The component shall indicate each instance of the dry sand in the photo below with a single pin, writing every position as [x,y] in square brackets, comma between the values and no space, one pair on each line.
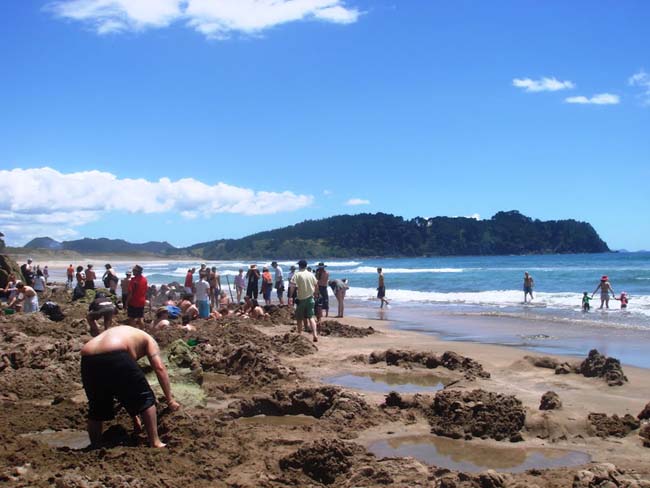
[246,369]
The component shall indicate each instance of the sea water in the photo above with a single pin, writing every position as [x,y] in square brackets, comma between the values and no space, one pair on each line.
[480,298]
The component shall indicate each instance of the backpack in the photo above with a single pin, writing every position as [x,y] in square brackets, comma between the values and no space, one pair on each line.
[53,311]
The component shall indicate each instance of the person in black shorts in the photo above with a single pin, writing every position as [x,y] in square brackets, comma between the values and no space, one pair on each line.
[101,307]
[109,370]
[381,288]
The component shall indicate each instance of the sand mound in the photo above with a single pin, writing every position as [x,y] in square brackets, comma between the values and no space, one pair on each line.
[37,367]
[550,401]
[476,413]
[595,365]
[327,402]
[602,425]
[449,360]
[600,366]
[322,460]
[338,329]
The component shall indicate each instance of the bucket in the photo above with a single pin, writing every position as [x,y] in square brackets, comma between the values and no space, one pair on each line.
[9,311]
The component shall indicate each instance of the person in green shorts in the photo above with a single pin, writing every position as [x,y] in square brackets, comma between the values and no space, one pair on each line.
[306,284]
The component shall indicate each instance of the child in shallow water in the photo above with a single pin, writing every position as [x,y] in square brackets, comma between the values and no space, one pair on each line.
[623,299]
[585,302]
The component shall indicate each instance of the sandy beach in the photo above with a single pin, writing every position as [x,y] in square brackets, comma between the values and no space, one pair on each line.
[259,409]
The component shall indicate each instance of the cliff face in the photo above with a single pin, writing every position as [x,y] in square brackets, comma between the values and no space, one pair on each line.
[8,266]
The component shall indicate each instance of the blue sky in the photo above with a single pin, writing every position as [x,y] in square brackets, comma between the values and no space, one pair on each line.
[192,120]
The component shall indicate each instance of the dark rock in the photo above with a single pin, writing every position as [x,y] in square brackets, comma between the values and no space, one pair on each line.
[550,401]
[8,266]
[604,426]
[600,366]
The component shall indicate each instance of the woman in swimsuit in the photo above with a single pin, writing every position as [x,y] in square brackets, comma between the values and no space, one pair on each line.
[605,289]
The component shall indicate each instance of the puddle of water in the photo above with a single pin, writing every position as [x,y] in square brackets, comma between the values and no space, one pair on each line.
[279,420]
[74,439]
[387,382]
[470,457]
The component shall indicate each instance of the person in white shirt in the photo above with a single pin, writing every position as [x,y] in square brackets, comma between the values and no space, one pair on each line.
[202,289]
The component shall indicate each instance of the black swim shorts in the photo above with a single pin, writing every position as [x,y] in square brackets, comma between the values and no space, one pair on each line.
[114,375]
[381,292]
[135,312]
[101,313]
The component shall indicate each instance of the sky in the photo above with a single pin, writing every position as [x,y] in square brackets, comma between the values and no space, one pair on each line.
[194,120]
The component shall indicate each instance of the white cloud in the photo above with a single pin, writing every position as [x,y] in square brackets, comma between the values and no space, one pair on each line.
[213,18]
[43,201]
[600,99]
[642,80]
[544,84]
[357,201]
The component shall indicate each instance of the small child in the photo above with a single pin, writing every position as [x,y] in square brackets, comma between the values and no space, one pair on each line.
[623,299]
[585,301]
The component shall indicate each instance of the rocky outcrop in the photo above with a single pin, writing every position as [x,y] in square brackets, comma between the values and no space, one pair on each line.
[7,267]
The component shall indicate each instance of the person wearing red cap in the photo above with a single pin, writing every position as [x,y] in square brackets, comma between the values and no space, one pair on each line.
[605,289]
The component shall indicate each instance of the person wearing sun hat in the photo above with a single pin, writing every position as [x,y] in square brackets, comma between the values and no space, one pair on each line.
[605,290]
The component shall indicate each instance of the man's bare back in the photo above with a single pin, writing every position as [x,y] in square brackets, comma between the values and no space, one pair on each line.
[122,338]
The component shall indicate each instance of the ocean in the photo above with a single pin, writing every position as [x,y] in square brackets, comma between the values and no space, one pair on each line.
[480,298]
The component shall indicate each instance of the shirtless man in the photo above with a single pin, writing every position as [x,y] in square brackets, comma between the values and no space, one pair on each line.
[215,287]
[529,283]
[124,284]
[381,288]
[26,299]
[109,370]
[605,289]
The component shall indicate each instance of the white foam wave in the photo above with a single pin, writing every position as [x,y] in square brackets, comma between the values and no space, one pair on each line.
[500,299]
[369,269]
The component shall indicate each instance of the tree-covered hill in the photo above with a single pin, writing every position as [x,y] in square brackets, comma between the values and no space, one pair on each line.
[387,235]
[102,245]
